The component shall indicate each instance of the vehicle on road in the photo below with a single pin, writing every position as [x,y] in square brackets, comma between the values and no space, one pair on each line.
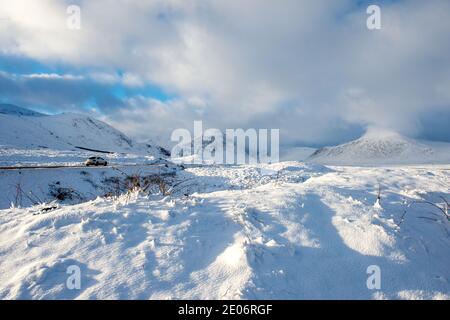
[95,161]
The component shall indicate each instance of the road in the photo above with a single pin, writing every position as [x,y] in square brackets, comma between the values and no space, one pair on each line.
[79,166]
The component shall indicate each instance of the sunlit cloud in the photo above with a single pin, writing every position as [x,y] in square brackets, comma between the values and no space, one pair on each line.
[310,68]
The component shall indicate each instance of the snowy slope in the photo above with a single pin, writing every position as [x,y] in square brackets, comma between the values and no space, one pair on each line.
[63,132]
[380,148]
[280,231]
[22,132]
[40,185]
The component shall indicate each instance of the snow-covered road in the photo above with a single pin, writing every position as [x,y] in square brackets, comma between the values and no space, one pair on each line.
[74,166]
[280,231]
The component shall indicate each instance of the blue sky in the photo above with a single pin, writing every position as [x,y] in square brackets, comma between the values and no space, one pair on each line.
[310,68]
[81,92]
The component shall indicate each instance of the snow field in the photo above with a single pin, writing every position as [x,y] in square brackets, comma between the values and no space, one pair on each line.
[280,231]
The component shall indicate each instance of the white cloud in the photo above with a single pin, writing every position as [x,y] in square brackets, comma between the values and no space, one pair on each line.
[105,77]
[132,80]
[52,76]
[309,67]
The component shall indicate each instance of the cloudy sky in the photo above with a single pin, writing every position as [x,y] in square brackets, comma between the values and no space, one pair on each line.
[310,68]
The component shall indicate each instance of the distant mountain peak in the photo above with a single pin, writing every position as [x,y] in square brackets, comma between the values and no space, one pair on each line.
[377,146]
[381,133]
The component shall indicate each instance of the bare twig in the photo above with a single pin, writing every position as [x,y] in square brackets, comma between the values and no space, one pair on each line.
[379,193]
[444,209]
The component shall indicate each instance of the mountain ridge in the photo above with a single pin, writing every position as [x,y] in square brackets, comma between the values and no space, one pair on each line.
[11,109]
[382,147]
[26,129]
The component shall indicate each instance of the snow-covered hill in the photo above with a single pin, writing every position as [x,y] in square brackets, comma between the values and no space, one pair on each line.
[381,147]
[282,231]
[26,130]
[206,146]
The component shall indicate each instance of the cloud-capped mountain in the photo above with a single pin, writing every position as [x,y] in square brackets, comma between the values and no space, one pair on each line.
[383,147]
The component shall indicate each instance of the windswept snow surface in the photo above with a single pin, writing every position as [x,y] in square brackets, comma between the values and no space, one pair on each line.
[280,231]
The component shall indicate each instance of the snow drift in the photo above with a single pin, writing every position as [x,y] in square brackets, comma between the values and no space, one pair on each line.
[280,231]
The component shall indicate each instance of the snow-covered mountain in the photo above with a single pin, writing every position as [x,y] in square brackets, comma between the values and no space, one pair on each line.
[383,147]
[26,129]
[206,146]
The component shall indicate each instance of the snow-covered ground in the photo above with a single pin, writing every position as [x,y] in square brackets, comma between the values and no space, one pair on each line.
[281,231]
[25,187]
[13,157]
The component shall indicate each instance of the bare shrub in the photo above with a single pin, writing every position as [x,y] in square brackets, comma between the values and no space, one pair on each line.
[20,194]
[64,193]
[157,181]
[132,182]
[137,183]
[112,186]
